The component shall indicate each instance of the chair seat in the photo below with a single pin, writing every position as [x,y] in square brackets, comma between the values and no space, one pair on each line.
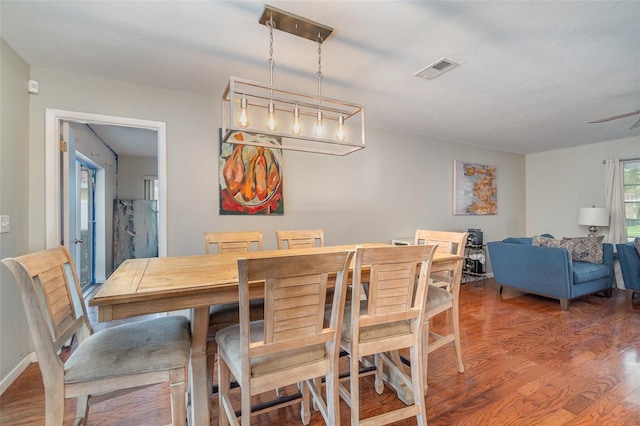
[374,332]
[437,296]
[229,339]
[145,346]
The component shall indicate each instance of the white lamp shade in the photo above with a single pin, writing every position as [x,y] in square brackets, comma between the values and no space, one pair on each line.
[593,216]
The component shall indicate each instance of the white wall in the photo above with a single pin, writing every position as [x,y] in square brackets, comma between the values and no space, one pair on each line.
[15,342]
[131,174]
[188,118]
[397,184]
[559,182]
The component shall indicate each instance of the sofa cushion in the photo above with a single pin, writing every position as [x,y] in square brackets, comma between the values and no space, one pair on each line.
[518,240]
[523,240]
[539,240]
[584,272]
[636,243]
[586,249]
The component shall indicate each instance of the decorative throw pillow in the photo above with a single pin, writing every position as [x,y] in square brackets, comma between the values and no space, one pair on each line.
[586,249]
[636,242]
[539,240]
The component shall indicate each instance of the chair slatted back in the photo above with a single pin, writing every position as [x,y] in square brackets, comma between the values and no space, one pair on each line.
[52,298]
[295,288]
[392,283]
[300,239]
[293,308]
[448,242]
[388,289]
[232,242]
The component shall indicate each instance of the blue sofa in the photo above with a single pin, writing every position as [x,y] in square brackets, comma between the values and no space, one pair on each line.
[630,266]
[548,271]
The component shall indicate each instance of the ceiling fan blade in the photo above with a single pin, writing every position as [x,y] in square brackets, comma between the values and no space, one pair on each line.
[615,117]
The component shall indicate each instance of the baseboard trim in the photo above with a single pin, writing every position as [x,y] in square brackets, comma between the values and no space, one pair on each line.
[17,370]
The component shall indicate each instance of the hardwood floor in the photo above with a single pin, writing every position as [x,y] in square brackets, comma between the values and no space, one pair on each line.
[526,363]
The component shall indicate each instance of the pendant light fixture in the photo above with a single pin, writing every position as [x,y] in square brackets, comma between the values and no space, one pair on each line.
[293,120]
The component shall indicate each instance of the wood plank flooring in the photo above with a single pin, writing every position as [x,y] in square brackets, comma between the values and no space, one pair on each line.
[526,363]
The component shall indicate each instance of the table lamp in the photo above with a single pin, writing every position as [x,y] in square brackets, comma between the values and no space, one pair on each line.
[593,217]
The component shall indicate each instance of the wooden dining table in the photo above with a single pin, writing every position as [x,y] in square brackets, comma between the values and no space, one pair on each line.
[164,284]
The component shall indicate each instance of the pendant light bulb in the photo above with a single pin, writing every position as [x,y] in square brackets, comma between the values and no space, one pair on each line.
[295,129]
[271,120]
[243,121]
[340,134]
[319,125]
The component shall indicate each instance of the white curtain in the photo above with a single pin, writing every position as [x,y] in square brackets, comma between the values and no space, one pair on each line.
[614,201]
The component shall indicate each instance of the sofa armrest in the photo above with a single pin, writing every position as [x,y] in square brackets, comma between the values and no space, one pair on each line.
[607,258]
[541,270]
[629,265]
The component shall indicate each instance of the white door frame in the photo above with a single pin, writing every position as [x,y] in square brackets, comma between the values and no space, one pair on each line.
[53,117]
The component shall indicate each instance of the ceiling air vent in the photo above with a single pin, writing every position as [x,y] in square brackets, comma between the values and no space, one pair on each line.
[436,69]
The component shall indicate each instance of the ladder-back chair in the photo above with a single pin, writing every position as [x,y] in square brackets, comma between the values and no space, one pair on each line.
[232,242]
[103,365]
[391,318]
[292,344]
[300,238]
[224,315]
[444,294]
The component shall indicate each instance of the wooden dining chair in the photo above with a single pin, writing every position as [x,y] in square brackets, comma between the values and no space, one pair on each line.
[232,242]
[448,243]
[444,294]
[291,345]
[300,238]
[105,364]
[391,318]
[224,315]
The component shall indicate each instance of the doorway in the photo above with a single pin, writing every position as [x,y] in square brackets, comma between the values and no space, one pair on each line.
[57,189]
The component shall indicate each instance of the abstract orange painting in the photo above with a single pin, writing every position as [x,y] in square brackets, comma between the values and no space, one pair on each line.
[250,177]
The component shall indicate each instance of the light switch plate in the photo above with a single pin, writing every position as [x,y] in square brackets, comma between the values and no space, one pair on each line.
[5,224]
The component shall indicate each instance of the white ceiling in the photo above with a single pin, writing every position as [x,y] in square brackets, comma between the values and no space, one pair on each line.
[128,141]
[532,73]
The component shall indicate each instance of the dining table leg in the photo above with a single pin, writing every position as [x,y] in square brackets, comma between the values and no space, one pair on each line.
[390,377]
[199,393]
[405,392]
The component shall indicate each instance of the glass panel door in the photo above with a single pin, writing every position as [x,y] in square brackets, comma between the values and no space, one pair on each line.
[86,224]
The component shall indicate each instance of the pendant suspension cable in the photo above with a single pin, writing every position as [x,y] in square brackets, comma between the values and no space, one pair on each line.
[319,39]
[271,109]
[271,24]
[319,119]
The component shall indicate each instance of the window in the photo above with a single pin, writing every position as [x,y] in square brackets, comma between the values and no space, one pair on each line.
[631,189]
[150,187]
